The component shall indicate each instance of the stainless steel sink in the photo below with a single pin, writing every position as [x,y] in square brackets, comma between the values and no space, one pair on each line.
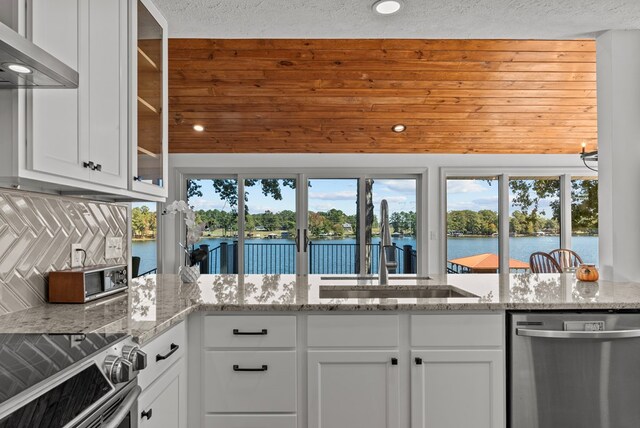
[391,292]
[373,278]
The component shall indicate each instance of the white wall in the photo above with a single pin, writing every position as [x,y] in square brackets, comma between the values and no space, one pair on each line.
[618,61]
[431,225]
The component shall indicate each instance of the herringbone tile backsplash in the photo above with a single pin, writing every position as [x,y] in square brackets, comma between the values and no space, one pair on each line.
[36,233]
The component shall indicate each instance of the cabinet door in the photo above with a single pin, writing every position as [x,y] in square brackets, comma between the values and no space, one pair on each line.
[353,389]
[163,404]
[107,102]
[149,99]
[457,388]
[53,130]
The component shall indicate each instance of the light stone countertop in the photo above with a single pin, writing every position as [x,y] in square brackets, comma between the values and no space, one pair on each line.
[155,303]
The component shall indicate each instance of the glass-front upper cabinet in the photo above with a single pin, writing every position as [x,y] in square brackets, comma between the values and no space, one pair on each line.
[149,105]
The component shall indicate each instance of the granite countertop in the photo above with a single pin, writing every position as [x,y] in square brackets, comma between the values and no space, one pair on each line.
[156,302]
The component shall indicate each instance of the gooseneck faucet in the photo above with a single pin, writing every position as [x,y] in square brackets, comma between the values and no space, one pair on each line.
[387,251]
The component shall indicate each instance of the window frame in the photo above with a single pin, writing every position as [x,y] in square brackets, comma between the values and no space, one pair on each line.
[504,175]
[303,175]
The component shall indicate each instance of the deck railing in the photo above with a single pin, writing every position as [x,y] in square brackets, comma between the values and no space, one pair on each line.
[324,258]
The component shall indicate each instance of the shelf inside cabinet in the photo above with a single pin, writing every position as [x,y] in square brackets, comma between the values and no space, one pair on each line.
[148,106]
[145,62]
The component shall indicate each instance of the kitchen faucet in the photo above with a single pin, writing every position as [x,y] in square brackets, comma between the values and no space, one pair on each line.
[387,251]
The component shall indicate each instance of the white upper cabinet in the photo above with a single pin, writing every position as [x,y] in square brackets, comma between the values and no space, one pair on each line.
[82,133]
[86,139]
[53,131]
[149,100]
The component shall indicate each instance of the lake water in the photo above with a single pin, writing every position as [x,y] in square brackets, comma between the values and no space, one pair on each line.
[341,260]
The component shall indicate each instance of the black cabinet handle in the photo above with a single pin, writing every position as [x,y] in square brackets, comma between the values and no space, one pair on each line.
[418,360]
[174,348]
[237,368]
[394,361]
[237,332]
[89,165]
[137,178]
[98,167]
[146,414]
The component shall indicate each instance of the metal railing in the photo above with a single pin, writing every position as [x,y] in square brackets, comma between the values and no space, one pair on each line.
[324,258]
[149,272]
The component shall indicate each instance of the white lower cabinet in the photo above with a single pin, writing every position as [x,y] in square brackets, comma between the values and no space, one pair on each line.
[457,388]
[163,404]
[381,370]
[353,389]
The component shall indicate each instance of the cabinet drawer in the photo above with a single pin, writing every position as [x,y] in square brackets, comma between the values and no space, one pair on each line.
[353,330]
[457,330]
[249,331]
[250,421]
[249,381]
[171,344]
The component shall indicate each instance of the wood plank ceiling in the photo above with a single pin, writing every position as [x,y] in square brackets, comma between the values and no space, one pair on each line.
[344,96]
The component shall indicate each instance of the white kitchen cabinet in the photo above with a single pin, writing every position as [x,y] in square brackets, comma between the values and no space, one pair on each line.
[353,389]
[81,133]
[164,403]
[457,388]
[148,99]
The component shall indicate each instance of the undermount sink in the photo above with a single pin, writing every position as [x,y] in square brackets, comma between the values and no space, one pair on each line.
[373,278]
[391,292]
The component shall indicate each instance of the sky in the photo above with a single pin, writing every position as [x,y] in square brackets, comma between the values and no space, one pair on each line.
[324,194]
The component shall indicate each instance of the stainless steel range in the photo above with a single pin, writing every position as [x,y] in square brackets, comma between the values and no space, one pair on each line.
[70,381]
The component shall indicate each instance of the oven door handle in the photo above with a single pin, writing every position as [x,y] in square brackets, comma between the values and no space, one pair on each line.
[124,408]
[561,334]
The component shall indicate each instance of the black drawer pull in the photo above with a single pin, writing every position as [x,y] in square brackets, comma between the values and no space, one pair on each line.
[394,361]
[146,414]
[237,332]
[237,368]
[174,348]
[418,360]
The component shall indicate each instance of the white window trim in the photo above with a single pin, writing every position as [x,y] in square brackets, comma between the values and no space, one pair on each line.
[504,174]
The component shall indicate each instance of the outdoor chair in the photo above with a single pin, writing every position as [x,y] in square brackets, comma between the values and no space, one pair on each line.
[543,263]
[566,258]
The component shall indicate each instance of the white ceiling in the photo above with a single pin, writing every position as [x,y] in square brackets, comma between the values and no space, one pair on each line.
[519,19]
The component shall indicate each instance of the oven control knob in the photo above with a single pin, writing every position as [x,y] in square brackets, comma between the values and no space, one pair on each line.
[135,356]
[119,369]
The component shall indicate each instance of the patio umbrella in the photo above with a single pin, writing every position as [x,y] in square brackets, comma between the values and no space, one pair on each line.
[486,263]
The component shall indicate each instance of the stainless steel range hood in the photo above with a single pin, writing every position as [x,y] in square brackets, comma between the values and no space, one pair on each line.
[43,70]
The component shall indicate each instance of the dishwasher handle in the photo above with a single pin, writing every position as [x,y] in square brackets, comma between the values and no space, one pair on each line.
[561,334]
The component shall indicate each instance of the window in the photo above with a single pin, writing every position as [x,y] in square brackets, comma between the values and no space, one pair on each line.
[472,225]
[584,218]
[144,247]
[537,222]
[534,216]
[400,195]
[215,202]
[333,223]
[295,224]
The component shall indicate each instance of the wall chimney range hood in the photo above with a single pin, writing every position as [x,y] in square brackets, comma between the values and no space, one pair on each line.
[25,65]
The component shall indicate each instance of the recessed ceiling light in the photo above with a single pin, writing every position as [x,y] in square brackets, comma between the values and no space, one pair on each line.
[198,128]
[387,7]
[18,68]
[398,128]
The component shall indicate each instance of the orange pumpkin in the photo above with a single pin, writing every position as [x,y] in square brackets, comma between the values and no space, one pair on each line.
[588,273]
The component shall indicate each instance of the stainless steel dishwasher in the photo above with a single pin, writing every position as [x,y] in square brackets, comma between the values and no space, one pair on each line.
[577,370]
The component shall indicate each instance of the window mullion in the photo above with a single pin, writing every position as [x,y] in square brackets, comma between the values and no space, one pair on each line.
[503,223]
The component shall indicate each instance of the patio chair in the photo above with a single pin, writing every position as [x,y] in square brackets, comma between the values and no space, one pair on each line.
[543,263]
[566,258]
